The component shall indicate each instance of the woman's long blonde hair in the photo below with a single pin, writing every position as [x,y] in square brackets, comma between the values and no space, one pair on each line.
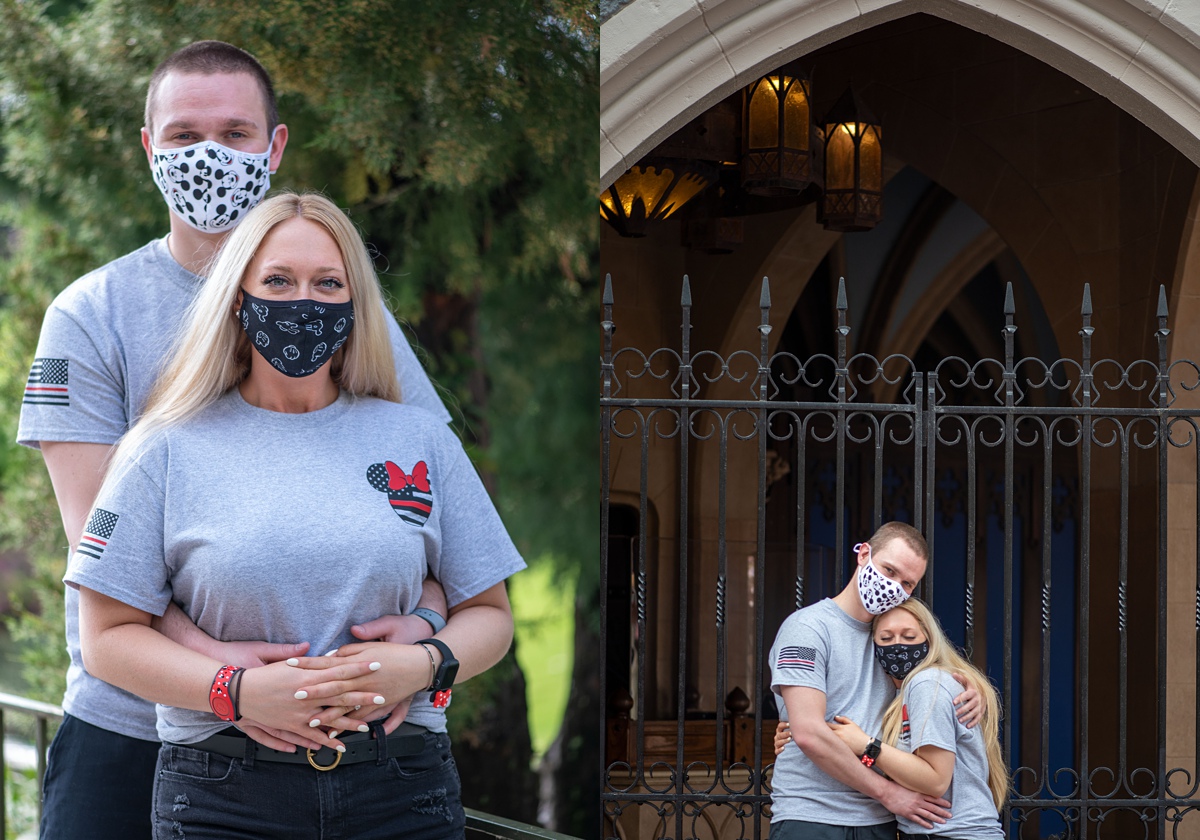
[944,655]
[212,353]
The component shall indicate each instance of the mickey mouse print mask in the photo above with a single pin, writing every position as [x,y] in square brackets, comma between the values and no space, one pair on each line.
[295,336]
[210,186]
[877,592]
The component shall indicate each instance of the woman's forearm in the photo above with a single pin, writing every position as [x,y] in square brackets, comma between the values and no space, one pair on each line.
[927,771]
[479,634]
[120,647]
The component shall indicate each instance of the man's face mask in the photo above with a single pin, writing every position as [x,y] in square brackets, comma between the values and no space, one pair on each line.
[210,186]
[877,592]
[296,336]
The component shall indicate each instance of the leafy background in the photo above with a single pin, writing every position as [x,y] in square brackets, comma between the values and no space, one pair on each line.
[461,138]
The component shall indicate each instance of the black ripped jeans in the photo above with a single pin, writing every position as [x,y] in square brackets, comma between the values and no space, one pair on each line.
[201,795]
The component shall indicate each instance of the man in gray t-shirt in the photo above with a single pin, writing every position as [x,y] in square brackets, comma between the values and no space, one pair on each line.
[823,664]
[102,343]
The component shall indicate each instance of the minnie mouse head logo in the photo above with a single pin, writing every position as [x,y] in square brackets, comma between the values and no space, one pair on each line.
[409,494]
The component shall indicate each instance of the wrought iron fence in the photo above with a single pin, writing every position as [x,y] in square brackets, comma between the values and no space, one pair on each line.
[1062,565]
[479,823]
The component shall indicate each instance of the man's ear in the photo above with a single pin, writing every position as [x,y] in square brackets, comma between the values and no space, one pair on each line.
[147,142]
[864,553]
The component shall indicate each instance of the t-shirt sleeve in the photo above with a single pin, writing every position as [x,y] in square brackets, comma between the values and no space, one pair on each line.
[121,551]
[416,388]
[475,551]
[930,706]
[73,393]
[800,655]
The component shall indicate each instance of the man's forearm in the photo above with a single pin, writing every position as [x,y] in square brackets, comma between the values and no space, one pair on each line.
[179,628]
[827,751]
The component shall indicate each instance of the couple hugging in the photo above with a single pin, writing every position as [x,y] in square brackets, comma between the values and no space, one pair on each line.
[858,759]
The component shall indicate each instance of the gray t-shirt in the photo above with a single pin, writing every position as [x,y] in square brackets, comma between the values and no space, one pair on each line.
[823,648]
[293,527]
[929,720]
[102,343]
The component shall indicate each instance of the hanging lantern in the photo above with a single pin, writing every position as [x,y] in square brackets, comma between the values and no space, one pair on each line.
[651,191]
[776,153]
[853,196]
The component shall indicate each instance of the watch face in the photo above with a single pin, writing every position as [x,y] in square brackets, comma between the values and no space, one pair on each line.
[448,673]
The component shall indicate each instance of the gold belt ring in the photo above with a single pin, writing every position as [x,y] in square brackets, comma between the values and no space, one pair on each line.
[337,759]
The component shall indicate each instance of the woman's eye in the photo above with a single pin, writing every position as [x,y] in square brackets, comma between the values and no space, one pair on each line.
[275,280]
[331,283]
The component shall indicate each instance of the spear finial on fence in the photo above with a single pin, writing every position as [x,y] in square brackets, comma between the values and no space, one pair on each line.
[685,366]
[606,365]
[1010,328]
[1085,335]
[843,330]
[1161,335]
[764,330]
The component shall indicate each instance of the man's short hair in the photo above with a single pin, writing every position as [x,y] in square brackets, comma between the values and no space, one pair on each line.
[912,538]
[206,58]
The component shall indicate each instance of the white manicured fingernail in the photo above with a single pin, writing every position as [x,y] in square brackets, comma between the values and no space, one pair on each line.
[332,652]
[375,666]
[378,701]
[301,695]
[362,727]
[356,708]
[314,722]
[340,748]
[293,661]
[333,735]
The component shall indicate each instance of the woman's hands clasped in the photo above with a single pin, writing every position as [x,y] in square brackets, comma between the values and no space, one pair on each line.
[334,693]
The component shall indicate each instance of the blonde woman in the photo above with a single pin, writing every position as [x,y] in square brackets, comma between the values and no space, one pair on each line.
[275,488]
[922,745]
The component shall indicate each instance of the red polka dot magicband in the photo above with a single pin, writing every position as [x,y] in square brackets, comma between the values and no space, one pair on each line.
[221,698]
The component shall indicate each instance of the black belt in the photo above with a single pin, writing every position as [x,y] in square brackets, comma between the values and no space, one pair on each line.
[408,739]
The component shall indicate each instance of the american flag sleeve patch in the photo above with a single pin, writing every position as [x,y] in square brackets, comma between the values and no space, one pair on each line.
[47,383]
[97,533]
[797,658]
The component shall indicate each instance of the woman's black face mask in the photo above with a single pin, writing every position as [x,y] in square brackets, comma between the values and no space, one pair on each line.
[296,336]
[898,659]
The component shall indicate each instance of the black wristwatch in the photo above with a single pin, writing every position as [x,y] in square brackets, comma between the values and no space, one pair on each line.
[871,755]
[444,676]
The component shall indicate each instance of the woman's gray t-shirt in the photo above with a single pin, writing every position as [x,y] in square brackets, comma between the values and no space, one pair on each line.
[103,342]
[293,527]
[930,721]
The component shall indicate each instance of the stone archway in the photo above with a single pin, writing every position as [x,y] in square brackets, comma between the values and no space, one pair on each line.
[663,63]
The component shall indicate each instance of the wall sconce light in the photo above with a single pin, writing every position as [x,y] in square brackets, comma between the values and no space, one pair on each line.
[651,191]
[853,196]
[776,127]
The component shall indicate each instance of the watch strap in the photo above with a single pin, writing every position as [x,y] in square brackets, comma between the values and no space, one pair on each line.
[435,621]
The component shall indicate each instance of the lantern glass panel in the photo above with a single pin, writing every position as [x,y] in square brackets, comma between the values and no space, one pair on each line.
[870,159]
[763,115]
[795,120]
[839,158]
[644,182]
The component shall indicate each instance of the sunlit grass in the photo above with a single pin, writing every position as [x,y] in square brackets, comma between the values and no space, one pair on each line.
[544,614]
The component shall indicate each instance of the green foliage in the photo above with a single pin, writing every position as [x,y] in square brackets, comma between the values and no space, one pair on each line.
[459,135]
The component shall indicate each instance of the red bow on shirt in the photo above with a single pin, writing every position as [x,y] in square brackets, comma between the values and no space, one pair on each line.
[398,479]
